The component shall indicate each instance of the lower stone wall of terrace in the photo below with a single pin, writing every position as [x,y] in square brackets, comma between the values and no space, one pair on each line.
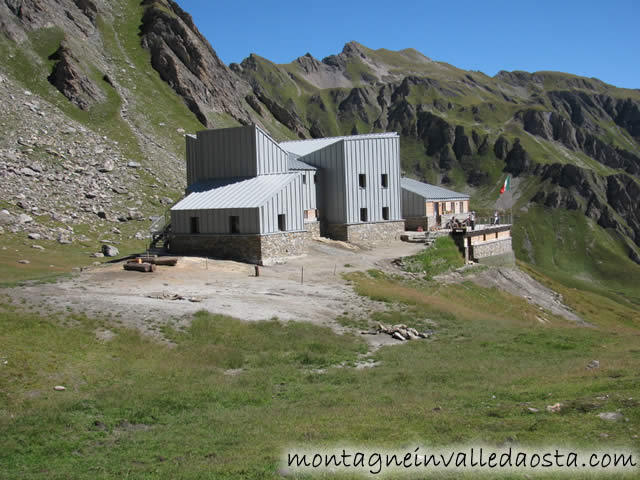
[490,248]
[367,234]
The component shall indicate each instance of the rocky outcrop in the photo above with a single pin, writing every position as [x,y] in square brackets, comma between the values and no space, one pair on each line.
[517,160]
[555,127]
[288,117]
[185,60]
[607,200]
[71,80]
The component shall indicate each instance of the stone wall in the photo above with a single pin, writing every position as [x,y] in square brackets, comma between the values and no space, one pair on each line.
[245,248]
[366,234]
[277,247]
[491,248]
[258,249]
[313,228]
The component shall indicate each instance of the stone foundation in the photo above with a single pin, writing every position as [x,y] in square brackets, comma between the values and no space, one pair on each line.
[313,228]
[277,247]
[366,234]
[253,248]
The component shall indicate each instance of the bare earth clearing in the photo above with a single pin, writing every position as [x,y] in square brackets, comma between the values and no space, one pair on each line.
[167,297]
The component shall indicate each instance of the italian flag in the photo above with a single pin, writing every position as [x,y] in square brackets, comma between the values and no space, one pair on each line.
[507,185]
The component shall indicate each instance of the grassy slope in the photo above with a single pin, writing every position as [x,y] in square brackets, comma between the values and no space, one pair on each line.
[135,407]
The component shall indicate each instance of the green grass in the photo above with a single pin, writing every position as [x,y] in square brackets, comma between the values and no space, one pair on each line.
[571,248]
[441,257]
[231,395]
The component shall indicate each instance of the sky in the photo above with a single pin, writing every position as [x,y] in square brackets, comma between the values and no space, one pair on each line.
[591,38]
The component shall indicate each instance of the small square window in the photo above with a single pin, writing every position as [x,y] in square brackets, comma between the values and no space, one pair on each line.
[282,222]
[304,178]
[234,224]
[363,215]
[384,180]
[385,213]
[362,180]
[195,225]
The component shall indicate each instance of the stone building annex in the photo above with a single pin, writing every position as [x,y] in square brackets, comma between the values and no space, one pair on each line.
[253,199]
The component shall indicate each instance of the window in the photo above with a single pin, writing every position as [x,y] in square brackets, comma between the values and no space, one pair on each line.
[234,224]
[282,222]
[195,225]
[384,180]
[363,214]
[315,177]
[362,180]
[385,213]
[304,178]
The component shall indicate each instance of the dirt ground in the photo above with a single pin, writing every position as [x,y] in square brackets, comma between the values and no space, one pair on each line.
[308,288]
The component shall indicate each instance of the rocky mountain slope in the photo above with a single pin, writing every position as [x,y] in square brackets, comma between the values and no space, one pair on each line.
[129,78]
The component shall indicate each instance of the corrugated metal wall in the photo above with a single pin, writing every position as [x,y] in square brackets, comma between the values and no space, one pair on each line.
[331,182]
[216,221]
[413,205]
[225,153]
[263,219]
[192,157]
[233,152]
[271,157]
[288,202]
[372,157]
[309,194]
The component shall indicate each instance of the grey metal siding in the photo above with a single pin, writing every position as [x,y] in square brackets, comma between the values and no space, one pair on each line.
[287,201]
[309,197]
[372,157]
[225,153]
[216,220]
[270,157]
[192,158]
[413,205]
[331,182]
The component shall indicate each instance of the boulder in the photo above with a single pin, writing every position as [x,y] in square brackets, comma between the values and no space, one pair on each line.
[610,416]
[23,218]
[109,251]
[107,166]
[6,218]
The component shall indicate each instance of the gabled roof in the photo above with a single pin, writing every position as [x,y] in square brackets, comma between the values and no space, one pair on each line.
[249,192]
[305,147]
[295,164]
[431,192]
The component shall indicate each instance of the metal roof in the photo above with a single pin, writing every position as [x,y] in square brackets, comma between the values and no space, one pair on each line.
[235,192]
[430,192]
[295,164]
[305,147]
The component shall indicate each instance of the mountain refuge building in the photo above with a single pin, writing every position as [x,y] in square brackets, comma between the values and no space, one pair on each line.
[252,199]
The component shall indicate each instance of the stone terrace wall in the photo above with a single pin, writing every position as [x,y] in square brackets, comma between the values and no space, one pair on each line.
[366,234]
[491,249]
